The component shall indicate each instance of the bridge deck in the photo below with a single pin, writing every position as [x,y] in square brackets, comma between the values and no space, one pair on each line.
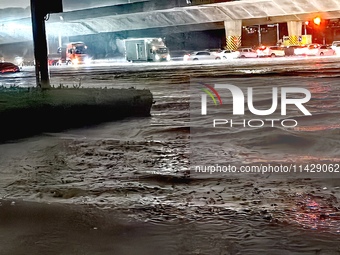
[138,15]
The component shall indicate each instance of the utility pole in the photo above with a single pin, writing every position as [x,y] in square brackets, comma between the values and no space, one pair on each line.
[39,10]
[260,36]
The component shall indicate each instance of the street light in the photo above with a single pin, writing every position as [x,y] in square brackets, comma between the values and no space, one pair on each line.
[306,24]
[317,20]
[59,32]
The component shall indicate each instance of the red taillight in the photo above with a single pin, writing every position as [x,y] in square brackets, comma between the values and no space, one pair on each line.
[186,57]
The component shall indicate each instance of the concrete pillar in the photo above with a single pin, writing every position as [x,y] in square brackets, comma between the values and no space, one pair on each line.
[294,33]
[294,28]
[233,32]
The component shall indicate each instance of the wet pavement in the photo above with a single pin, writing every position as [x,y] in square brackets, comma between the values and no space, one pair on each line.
[125,187]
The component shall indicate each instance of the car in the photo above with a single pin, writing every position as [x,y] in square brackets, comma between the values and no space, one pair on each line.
[228,54]
[7,67]
[201,55]
[296,50]
[335,44]
[214,50]
[319,50]
[246,53]
[270,51]
[300,50]
[336,47]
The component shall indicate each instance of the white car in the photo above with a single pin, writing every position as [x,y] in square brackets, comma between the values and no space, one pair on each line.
[300,50]
[228,54]
[246,53]
[336,47]
[201,55]
[270,51]
[213,50]
[319,50]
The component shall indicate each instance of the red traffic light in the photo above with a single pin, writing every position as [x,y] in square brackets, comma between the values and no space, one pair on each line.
[317,20]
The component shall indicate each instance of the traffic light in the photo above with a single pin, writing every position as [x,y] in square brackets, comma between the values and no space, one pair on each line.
[317,21]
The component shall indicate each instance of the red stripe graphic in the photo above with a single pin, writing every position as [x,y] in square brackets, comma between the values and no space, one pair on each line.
[215,92]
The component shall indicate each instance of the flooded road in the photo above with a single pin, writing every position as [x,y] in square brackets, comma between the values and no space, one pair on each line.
[125,187]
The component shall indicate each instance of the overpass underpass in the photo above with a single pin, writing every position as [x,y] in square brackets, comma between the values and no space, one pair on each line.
[175,15]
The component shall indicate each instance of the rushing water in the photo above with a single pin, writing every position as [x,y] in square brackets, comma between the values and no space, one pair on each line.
[125,187]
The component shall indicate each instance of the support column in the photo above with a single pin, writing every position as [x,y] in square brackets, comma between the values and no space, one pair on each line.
[40,45]
[39,10]
[233,32]
[294,32]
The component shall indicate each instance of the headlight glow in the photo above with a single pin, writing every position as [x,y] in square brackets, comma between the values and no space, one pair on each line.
[87,60]
[75,61]
[186,57]
[19,60]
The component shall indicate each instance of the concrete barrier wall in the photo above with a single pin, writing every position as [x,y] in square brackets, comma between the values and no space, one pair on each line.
[26,112]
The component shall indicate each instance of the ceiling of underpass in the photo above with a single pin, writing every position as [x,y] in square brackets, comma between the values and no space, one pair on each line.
[100,16]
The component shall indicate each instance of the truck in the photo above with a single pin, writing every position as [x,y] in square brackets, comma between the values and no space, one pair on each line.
[146,49]
[72,53]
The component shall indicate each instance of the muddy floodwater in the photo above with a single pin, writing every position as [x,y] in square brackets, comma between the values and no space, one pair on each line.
[126,187]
